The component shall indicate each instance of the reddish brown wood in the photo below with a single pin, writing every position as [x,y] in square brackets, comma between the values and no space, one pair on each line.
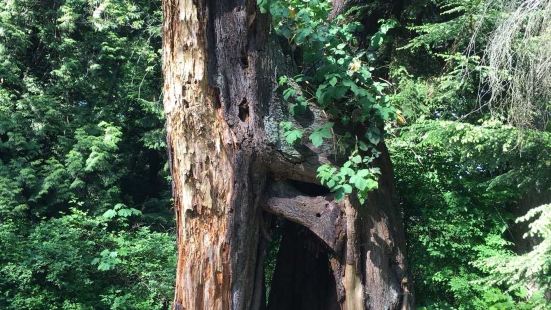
[226,154]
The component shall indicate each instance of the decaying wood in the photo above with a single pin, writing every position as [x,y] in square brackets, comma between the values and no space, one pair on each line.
[227,157]
[352,278]
[212,89]
[386,276]
[320,214]
[199,164]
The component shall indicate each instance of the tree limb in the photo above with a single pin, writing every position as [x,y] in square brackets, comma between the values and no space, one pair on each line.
[320,214]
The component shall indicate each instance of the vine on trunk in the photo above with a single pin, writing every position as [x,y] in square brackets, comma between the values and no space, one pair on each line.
[336,74]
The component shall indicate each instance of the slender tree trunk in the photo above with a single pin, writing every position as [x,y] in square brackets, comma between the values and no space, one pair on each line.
[231,172]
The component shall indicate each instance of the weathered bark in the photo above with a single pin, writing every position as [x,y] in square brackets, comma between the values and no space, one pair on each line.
[213,81]
[386,281]
[229,166]
[321,215]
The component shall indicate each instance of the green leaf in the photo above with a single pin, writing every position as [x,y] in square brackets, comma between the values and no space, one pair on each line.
[371,185]
[376,40]
[363,146]
[362,173]
[292,135]
[126,212]
[321,133]
[347,171]
[356,159]
[286,126]
[339,194]
[110,214]
[374,135]
[288,93]
[347,188]
[263,5]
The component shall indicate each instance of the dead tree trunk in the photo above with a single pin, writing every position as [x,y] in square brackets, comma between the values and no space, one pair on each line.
[231,171]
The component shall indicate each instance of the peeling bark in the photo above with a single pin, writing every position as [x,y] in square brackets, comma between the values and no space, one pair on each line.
[229,164]
[212,79]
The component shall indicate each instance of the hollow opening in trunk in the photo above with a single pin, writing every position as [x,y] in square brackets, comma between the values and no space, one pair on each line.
[309,189]
[298,272]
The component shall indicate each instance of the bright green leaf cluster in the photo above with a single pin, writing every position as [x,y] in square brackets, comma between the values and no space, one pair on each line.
[351,176]
[338,78]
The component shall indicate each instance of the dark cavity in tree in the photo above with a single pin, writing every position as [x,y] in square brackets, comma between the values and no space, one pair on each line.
[303,278]
[309,189]
[243,110]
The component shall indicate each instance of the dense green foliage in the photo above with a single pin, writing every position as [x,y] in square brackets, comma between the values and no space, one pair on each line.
[84,197]
[461,185]
[85,219]
[335,74]
[463,173]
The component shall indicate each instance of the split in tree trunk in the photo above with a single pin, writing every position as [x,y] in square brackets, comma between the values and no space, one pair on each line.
[230,167]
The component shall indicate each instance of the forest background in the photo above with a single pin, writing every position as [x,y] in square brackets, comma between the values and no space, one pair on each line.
[85,196]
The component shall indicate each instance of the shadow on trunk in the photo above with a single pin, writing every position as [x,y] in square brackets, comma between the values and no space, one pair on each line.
[303,278]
